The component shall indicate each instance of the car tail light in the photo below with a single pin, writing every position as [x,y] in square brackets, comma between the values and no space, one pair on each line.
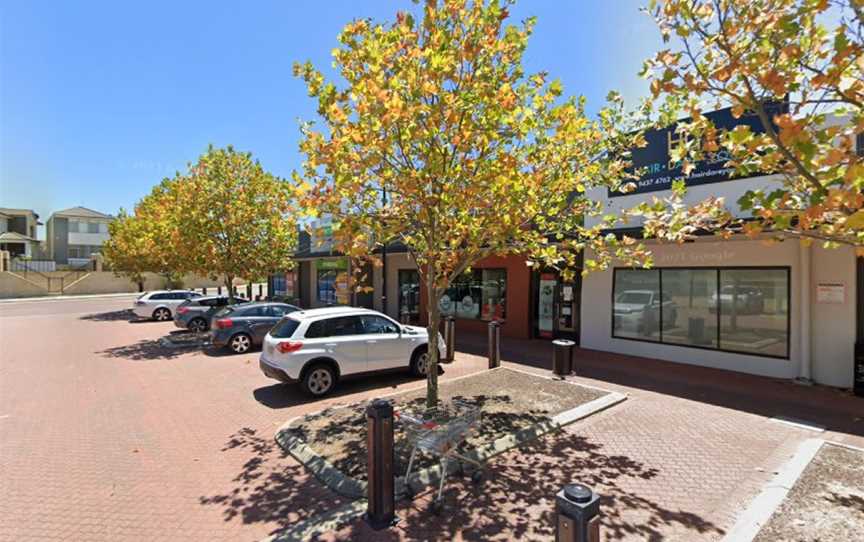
[224,323]
[286,347]
[182,310]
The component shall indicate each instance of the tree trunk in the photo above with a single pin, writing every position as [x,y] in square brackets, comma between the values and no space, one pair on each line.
[434,316]
[229,282]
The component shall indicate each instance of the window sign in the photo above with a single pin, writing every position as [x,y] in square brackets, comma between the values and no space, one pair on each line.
[659,170]
[479,294]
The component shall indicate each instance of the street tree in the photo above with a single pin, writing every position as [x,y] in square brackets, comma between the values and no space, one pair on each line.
[436,137]
[232,219]
[749,55]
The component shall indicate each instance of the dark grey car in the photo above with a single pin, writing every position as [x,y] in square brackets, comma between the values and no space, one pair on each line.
[240,327]
[195,314]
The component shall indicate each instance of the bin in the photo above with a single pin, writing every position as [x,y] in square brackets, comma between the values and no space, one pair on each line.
[562,357]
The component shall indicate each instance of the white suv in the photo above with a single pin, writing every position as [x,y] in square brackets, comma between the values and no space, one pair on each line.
[160,305]
[316,347]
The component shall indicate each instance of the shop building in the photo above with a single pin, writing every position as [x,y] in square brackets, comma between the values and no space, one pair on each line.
[779,309]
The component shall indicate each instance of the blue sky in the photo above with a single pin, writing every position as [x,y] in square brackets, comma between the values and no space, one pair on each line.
[101,100]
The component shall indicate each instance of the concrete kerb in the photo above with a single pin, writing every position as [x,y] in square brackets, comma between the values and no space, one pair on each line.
[773,493]
[352,488]
[47,298]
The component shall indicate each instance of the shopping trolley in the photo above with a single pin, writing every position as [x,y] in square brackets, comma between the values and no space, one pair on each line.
[439,432]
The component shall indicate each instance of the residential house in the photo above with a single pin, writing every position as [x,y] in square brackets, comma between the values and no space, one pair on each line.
[75,234]
[18,232]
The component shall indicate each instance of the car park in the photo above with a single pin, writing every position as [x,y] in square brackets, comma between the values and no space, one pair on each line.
[160,305]
[743,299]
[317,347]
[195,314]
[242,327]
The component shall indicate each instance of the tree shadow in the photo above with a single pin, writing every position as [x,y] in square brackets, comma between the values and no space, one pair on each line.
[266,490]
[280,395]
[111,316]
[339,433]
[146,350]
[516,500]
[855,502]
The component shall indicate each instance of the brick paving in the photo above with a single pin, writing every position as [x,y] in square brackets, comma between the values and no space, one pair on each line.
[106,436]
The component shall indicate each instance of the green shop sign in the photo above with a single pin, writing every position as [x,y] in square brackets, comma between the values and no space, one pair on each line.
[339,263]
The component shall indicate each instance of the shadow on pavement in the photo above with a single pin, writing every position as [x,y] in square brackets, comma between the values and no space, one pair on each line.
[267,489]
[146,350]
[111,316]
[278,396]
[516,500]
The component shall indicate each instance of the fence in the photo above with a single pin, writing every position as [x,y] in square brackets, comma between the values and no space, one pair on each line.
[33,266]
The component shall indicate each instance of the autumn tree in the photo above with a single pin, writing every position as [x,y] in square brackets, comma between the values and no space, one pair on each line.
[437,138]
[748,55]
[233,219]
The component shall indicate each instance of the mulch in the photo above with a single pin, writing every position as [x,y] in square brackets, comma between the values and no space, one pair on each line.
[509,401]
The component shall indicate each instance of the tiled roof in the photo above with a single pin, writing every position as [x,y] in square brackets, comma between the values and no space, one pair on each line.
[83,212]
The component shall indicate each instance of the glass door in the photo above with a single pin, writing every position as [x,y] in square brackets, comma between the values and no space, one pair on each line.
[409,296]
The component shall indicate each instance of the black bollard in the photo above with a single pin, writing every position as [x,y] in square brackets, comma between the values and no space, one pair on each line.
[577,517]
[218,290]
[248,291]
[379,445]
[562,357]
[494,344]
[204,290]
[260,291]
[450,338]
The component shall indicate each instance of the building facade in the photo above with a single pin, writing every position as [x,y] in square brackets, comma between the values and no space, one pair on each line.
[74,235]
[18,232]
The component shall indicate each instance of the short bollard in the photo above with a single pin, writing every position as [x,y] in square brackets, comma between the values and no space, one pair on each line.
[494,344]
[577,514]
[248,291]
[379,446]
[204,290]
[450,338]
[218,290]
[562,357]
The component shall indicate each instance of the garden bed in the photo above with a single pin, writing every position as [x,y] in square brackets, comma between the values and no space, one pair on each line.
[515,407]
[826,503]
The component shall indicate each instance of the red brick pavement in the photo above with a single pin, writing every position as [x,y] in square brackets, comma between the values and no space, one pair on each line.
[104,436]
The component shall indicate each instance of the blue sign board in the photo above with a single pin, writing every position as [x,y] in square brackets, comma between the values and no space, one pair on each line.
[658,170]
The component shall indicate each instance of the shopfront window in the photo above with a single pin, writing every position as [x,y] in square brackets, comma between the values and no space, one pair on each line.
[742,310]
[480,294]
[409,296]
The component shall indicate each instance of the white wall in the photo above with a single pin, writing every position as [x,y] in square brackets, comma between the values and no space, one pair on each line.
[832,326]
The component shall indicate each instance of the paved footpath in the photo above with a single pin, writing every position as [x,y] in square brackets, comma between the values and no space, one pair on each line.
[104,435]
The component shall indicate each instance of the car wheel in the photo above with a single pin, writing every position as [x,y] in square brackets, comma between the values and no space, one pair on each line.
[319,380]
[161,314]
[420,362]
[198,325]
[240,343]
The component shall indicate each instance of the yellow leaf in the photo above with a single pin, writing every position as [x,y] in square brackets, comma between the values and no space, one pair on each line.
[856,220]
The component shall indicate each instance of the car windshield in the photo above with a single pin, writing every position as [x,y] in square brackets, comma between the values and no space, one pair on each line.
[284,329]
[634,298]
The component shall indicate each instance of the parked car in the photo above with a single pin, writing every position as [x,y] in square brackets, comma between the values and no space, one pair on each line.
[318,347]
[240,327]
[195,314]
[161,304]
[745,299]
[639,310]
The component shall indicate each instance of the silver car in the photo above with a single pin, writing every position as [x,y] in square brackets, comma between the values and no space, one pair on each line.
[161,304]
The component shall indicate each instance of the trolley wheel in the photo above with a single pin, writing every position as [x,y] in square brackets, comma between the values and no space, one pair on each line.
[436,507]
[477,477]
